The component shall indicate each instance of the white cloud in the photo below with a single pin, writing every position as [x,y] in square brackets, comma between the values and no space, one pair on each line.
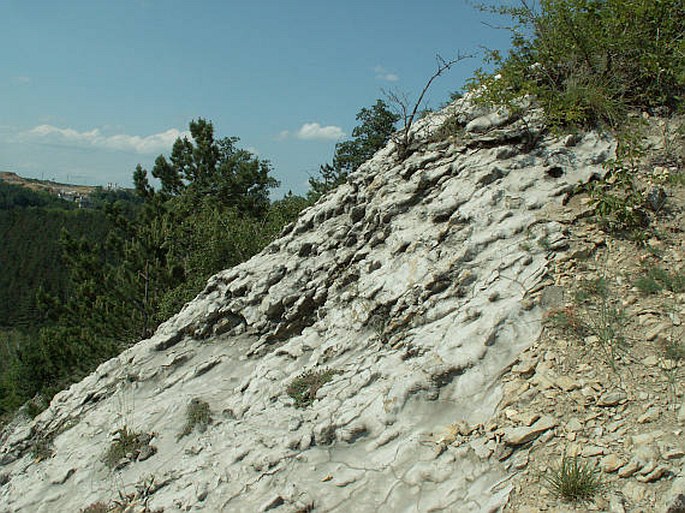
[21,80]
[150,144]
[314,131]
[384,74]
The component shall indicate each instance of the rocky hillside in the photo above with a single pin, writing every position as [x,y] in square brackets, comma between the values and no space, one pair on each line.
[358,362]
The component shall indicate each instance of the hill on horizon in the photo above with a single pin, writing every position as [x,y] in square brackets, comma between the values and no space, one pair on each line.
[49,186]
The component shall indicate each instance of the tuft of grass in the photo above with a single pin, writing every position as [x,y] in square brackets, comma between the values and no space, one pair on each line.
[677,178]
[198,415]
[303,389]
[573,480]
[127,502]
[42,447]
[675,350]
[451,127]
[567,319]
[594,313]
[655,279]
[127,445]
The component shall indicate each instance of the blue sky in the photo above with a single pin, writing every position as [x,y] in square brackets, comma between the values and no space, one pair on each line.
[90,88]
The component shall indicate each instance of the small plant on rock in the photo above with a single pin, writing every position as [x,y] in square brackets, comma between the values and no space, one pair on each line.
[127,446]
[573,480]
[303,389]
[96,507]
[607,322]
[595,317]
[655,279]
[198,415]
[128,502]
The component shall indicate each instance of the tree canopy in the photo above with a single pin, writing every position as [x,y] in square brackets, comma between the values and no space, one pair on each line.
[210,168]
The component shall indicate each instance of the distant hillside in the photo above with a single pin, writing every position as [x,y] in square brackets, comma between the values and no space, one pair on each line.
[45,185]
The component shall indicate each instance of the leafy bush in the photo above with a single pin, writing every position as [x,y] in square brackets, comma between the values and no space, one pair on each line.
[589,61]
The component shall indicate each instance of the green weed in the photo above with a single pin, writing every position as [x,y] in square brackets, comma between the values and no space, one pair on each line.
[303,389]
[127,446]
[655,279]
[573,480]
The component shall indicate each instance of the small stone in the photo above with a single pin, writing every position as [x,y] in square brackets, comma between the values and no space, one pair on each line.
[634,492]
[591,450]
[482,448]
[656,474]
[520,461]
[648,468]
[615,426]
[567,384]
[574,425]
[273,503]
[461,427]
[616,504]
[644,439]
[510,413]
[674,454]
[62,477]
[146,452]
[502,452]
[650,415]
[655,331]
[527,419]
[629,469]
[651,361]
[522,435]
[612,398]
[525,368]
[610,463]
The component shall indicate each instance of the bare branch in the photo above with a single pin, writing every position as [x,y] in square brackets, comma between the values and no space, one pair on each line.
[401,102]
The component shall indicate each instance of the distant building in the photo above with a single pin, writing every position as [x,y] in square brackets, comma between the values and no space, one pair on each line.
[82,200]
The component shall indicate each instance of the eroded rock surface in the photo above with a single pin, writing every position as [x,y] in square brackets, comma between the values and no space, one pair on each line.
[417,283]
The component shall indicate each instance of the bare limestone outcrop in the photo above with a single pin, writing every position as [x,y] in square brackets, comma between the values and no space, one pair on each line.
[332,362]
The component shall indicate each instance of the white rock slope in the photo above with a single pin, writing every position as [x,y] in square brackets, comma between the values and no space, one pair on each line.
[416,283]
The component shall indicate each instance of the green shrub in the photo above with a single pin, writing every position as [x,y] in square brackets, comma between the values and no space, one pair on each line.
[303,389]
[573,480]
[589,61]
[621,206]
